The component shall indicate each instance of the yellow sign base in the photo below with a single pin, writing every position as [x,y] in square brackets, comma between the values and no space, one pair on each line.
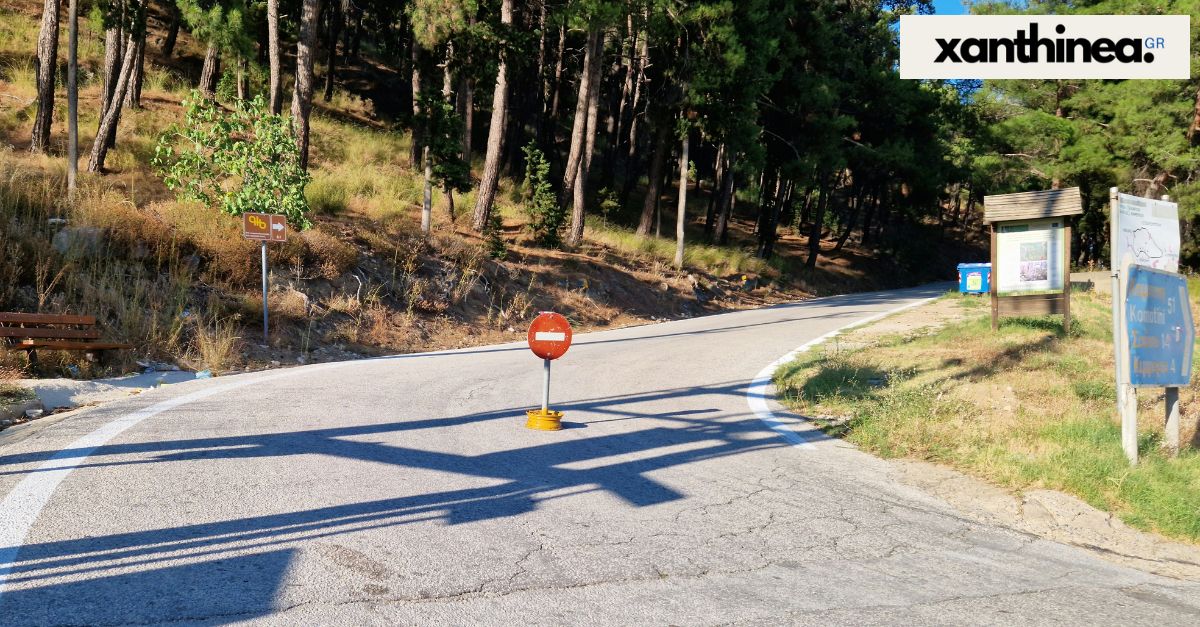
[548,420]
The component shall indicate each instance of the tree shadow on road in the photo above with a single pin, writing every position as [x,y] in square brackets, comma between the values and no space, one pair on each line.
[519,479]
[220,591]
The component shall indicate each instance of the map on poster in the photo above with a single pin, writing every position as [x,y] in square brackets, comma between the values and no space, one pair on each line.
[1029,258]
[1148,230]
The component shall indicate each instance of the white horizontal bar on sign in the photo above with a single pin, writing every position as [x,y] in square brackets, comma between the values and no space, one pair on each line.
[550,336]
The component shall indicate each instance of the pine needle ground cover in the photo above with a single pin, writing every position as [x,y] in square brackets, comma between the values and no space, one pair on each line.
[1025,407]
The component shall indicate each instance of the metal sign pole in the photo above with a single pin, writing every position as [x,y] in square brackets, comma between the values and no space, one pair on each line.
[1172,421]
[1124,391]
[545,385]
[1172,399]
[264,277]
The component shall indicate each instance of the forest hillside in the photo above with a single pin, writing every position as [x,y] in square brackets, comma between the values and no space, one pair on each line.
[447,169]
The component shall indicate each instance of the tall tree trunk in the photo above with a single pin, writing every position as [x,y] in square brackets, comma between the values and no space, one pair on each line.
[658,210]
[849,226]
[114,51]
[579,126]
[108,123]
[770,227]
[114,39]
[210,72]
[447,95]
[818,223]
[415,150]
[868,216]
[610,158]
[632,157]
[273,54]
[46,69]
[540,76]
[718,184]
[133,97]
[467,93]
[302,95]
[767,200]
[350,39]
[168,47]
[335,31]
[579,205]
[72,96]
[447,75]
[427,196]
[725,204]
[556,86]
[638,84]
[657,161]
[681,208]
[243,78]
[495,144]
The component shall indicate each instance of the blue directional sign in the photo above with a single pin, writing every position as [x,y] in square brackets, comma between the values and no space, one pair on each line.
[1158,328]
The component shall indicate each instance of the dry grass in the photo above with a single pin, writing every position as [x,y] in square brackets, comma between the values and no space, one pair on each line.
[1025,407]
[331,256]
[716,260]
[216,345]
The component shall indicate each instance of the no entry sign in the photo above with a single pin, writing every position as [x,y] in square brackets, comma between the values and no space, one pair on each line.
[549,335]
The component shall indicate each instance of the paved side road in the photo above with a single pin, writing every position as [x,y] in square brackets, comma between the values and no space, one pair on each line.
[406,491]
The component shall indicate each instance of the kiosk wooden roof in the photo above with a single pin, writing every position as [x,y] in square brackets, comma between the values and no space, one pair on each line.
[1051,203]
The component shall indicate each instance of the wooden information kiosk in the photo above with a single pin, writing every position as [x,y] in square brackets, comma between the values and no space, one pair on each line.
[1031,252]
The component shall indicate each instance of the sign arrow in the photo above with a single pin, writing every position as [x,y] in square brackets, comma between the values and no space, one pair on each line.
[277,226]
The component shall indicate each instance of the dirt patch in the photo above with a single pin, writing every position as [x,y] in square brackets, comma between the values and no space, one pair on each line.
[909,323]
[1055,516]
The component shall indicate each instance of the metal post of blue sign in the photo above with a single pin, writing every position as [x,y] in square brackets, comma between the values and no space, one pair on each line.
[1128,422]
[1172,439]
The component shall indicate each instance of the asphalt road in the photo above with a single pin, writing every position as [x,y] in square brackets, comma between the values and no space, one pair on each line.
[407,491]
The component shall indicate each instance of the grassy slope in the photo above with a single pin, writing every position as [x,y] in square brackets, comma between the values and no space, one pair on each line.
[179,282]
[1024,407]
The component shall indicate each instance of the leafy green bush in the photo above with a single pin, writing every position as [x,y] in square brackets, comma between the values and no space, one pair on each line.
[240,160]
[546,217]
[493,235]
[443,133]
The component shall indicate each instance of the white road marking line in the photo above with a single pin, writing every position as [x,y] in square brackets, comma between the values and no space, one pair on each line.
[550,336]
[757,393]
[21,508]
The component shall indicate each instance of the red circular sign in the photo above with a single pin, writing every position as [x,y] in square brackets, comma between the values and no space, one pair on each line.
[549,335]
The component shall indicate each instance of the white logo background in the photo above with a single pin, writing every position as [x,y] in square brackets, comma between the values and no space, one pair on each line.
[919,47]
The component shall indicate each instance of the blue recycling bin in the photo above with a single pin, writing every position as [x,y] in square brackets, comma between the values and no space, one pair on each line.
[974,278]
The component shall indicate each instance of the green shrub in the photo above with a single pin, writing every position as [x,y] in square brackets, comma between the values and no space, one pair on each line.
[546,217]
[493,235]
[240,160]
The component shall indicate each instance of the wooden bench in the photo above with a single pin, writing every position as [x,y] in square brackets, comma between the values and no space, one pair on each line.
[29,332]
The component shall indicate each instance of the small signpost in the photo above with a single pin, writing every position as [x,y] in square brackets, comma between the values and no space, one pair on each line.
[264,227]
[1031,252]
[1152,316]
[549,338]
